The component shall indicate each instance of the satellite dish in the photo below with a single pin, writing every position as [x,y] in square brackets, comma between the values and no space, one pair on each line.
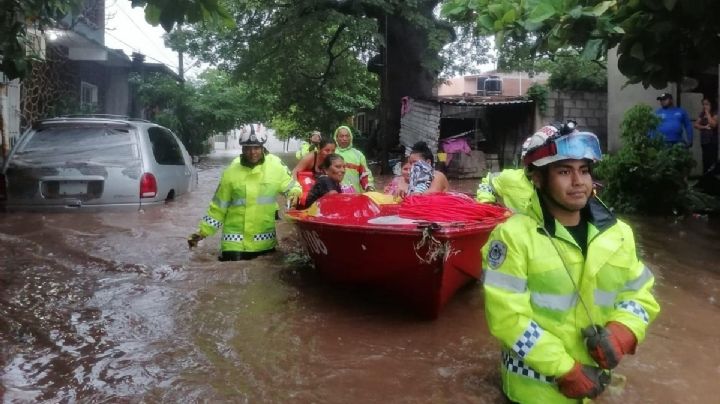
[688,84]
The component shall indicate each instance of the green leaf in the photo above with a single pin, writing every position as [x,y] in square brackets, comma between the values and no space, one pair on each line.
[669,4]
[575,12]
[592,48]
[509,17]
[637,51]
[497,10]
[484,21]
[152,14]
[541,13]
[601,8]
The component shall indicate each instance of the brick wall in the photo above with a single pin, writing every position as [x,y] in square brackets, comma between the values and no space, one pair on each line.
[588,109]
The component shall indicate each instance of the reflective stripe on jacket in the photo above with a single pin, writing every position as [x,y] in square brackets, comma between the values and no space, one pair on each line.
[510,188]
[244,205]
[533,308]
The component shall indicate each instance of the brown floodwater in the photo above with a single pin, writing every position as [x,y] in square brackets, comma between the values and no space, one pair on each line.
[114,308]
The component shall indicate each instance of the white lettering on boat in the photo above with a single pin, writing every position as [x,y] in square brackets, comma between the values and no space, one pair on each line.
[313,242]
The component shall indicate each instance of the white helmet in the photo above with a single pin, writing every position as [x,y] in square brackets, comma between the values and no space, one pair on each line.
[538,139]
[251,139]
[573,146]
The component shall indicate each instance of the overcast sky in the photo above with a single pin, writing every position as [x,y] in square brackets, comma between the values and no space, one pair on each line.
[127,29]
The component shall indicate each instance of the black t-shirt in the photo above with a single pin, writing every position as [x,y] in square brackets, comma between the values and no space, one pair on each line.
[579,233]
[323,185]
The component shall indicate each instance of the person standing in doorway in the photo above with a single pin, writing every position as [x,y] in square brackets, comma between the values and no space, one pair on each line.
[707,125]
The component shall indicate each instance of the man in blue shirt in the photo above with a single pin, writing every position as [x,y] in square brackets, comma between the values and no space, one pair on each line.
[673,120]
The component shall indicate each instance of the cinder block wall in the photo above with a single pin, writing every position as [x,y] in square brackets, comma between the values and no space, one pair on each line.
[588,109]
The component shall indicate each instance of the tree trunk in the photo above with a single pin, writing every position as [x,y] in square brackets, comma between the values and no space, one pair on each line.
[406,73]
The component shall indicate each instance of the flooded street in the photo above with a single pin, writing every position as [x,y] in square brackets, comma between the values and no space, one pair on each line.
[114,308]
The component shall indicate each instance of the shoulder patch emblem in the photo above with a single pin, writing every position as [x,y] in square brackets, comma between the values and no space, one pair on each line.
[496,253]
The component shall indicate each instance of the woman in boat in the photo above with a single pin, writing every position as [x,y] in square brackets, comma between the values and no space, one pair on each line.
[313,161]
[399,185]
[423,176]
[327,183]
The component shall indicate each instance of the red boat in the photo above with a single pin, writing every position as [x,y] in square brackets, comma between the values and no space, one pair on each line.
[352,239]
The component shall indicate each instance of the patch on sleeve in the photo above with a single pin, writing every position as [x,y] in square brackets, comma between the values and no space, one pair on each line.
[496,253]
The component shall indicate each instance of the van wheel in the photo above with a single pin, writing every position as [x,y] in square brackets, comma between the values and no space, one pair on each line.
[170,196]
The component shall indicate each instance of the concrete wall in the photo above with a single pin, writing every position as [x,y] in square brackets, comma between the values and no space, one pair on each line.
[589,109]
[622,97]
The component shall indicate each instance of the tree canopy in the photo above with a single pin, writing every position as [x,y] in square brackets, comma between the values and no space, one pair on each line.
[319,62]
[18,18]
[197,109]
[659,41]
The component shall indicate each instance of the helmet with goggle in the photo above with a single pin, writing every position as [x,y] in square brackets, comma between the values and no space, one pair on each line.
[573,146]
[538,138]
[251,139]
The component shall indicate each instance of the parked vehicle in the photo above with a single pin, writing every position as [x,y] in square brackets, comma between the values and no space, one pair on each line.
[95,162]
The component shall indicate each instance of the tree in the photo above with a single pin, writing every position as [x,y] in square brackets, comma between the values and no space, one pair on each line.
[18,18]
[199,109]
[313,54]
[658,41]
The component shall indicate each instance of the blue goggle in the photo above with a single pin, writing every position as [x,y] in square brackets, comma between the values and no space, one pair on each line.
[576,146]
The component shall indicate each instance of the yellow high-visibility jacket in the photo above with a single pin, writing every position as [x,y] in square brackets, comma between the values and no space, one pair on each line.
[244,205]
[303,150]
[534,309]
[510,188]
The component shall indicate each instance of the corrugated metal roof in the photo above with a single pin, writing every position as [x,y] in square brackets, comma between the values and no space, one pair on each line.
[483,101]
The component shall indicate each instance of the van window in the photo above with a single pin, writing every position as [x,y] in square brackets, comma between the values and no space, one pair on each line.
[90,144]
[165,148]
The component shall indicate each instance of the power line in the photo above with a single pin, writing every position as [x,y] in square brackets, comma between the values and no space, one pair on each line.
[142,31]
[133,47]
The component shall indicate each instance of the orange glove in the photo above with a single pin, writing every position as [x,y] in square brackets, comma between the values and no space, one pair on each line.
[583,381]
[607,345]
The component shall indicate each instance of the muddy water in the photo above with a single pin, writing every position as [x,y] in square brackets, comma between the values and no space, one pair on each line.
[113,307]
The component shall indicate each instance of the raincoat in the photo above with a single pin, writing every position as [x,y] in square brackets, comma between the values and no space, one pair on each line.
[510,188]
[535,310]
[244,205]
[303,150]
[357,173]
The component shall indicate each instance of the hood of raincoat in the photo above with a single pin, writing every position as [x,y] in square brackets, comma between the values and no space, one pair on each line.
[336,139]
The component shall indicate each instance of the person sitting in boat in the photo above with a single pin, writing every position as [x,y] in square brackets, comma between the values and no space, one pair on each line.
[307,147]
[399,185]
[358,175]
[309,168]
[327,183]
[312,162]
[423,176]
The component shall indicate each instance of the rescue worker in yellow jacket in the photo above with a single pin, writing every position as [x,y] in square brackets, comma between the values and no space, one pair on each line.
[357,173]
[565,292]
[244,204]
[307,147]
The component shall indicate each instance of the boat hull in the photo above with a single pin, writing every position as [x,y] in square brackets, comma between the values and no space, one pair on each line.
[421,264]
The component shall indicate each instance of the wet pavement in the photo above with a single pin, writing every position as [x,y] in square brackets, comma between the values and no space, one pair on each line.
[114,308]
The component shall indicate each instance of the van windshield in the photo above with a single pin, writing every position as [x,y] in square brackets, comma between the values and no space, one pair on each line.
[87,144]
